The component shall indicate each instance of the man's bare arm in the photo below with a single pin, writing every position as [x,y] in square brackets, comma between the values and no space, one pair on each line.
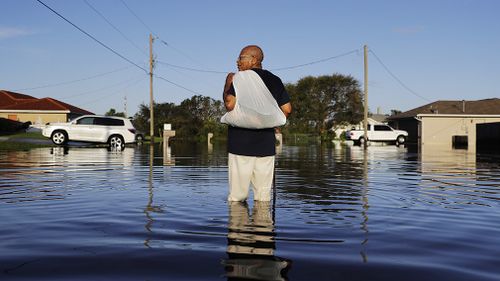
[229,100]
[286,108]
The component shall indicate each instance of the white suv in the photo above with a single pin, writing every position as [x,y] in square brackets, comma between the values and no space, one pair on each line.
[116,131]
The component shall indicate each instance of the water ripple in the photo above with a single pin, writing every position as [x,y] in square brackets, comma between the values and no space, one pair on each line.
[386,213]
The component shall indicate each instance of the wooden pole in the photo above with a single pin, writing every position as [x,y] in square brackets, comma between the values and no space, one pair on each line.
[151,100]
[365,121]
[125,107]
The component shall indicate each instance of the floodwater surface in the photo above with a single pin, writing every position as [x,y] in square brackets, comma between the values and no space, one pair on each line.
[339,213]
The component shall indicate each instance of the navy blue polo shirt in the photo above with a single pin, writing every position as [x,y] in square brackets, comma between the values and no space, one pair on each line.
[257,142]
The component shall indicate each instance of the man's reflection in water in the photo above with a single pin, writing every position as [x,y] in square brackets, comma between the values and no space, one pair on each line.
[251,244]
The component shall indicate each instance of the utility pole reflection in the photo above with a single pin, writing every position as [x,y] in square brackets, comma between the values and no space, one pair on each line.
[150,207]
[365,206]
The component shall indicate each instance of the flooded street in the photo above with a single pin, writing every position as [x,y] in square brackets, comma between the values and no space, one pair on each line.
[340,214]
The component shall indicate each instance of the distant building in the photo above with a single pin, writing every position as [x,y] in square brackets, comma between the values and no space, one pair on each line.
[451,124]
[24,108]
[380,118]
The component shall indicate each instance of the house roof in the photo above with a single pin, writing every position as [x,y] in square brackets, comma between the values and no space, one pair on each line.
[46,104]
[10,98]
[379,117]
[463,107]
[16,101]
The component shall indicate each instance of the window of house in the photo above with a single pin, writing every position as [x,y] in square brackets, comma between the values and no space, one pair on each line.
[460,142]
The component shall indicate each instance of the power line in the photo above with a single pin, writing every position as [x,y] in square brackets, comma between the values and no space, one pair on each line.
[315,62]
[92,37]
[155,34]
[114,27]
[180,86]
[178,51]
[110,49]
[102,88]
[396,78]
[72,81]
[138,18]
[130,84]
[224,72]
[275,69]
[191,77]
[191,69]
[162,41]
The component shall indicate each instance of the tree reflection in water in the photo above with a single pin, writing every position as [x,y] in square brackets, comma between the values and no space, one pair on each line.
[251,244]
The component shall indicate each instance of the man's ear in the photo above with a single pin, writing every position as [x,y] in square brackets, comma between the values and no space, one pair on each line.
[254,61]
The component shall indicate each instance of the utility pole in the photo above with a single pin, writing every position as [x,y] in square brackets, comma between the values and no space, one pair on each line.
[125,106]
[365,121]
[151,100]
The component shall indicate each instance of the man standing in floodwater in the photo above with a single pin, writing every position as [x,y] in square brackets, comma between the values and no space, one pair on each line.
[252,151]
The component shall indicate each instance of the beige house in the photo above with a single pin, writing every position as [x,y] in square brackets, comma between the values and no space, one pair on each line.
[24,108]
[451,124]
[452,130]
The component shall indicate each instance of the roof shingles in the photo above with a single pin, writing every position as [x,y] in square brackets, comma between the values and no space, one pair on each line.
[486,106]
[9,98]
[15,101]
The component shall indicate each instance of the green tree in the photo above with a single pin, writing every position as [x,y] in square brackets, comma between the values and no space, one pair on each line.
[193,118]
[321,102]
[201,115]
[112,112]
[163,113]
[395,112]
[141,118]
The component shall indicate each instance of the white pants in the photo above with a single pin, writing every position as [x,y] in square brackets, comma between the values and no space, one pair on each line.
[244,170]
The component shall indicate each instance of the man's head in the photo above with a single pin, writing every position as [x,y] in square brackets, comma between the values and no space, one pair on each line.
[250,57]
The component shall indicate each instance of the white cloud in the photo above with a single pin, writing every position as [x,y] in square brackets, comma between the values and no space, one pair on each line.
[408,30]
[9,32]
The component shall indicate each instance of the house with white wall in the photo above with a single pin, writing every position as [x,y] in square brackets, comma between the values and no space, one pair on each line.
[451,124]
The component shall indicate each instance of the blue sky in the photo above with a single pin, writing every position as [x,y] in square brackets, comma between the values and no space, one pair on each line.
[439,50]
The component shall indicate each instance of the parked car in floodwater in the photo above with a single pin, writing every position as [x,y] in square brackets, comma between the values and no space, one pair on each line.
[115,131]
[378,132]
[139,136]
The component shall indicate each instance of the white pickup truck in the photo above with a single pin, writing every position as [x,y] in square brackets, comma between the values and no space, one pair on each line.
[378,132]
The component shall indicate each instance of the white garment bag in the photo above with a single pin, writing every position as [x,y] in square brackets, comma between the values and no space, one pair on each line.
[255,106]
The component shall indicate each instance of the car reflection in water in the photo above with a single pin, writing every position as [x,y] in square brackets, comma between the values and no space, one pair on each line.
[251,244]
[93,155]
